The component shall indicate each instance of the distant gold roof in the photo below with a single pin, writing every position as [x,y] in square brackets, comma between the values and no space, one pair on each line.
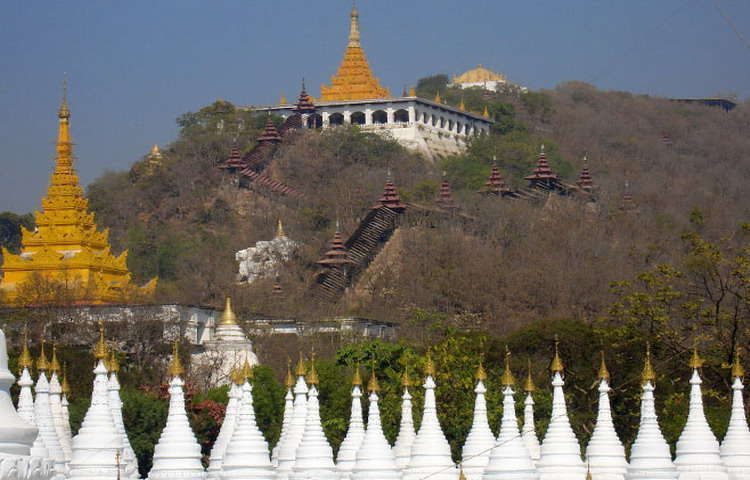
[479,74]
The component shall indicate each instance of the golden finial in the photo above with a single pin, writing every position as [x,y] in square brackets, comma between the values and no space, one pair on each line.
[529,385]
[100,350]
[247,371]
[357,379]
[588,471]
[373,385]
[236,375]
[405,382]
[175,366]
[429,367]
[481,373]
[507,380]
[354,28]
[25,360]
[54,364]
[283,101]
[461,475]
[437,97]
[301,366]
[289,380]
[227,316]
[412,92]
[648,374]
[461,105]
[603,372]
[114,364]
[64,111]
[41,363]
[280,230]
[737,370]
[486,113]
[557,364]
[312,377]
[695,360]
[64,385]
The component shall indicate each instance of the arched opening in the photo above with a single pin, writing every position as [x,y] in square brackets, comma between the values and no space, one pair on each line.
[442,122]
[459,127]
[434,120]
[336,119]
[315,121]
[424,118]
[401,116]
[450,125]
[379,117]
[358,118]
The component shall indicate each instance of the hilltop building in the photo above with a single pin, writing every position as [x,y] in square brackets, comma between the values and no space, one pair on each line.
[355,97]
[484,78]
[66,246]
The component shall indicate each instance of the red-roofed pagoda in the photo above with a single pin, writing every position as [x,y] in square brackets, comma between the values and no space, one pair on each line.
[584,182]
[543,177]
[270,134]
[445,197]
[495,185]
[390,198]
[336,256]
[234,162]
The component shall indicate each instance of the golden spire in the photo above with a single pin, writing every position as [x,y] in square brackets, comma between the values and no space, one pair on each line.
[507,380]
[437,98]
[486,113]
[64,145]
[25,360]
[100,350]
[64,111]
[648,374]
[529,386]
[312,377]
[412,92]
[429,367]
[54,365]
[557,364]
[481,373]
[227,316]
[461,105]
[175,366]
[603,372]
[695,360]
[247,371]
[405,382]
[373,385]
[301,366]
[357,379]
[283,101]
[461,475]
[64,385]
[289,380]
[42,364]
[114,364]
[737,370]
[280,230]
[354,28]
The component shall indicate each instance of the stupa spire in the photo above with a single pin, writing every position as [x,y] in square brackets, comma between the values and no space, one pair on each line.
[735,448]
[354,28]
[55,405]
[495,185]
[270,133]
[44,417]
[406,434]
[584,182]
[288,444]
[375,459]
[128,457]
[530,438]
[543,177]
[337,254]
[390,197]
[227,316]
[445,196]
[347,455]
[288,411]
[479,442]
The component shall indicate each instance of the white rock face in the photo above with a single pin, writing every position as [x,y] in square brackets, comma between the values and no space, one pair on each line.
[529,429]
[510,460]
[226,432]
[735,449]
[375,459]
[406,434]
[247,456]
[128,457]
[650,457]
[480,441]
[314,456]
[288,444]
[347,455]
[285,424]
[46,425]
[560,452]
[697,453]
[605,454]
[263,259]
[97,443]
[430,453]
[177,454]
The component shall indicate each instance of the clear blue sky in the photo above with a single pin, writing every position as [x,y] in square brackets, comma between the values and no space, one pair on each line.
[135,66]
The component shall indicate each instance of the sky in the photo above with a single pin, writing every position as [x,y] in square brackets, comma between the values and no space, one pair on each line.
[133,67]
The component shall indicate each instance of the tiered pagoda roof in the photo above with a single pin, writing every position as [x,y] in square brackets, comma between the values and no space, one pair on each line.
[234,162]
[495,185]
[445,196]
[270,134]
[543,174]
[337,254]
[584,182]
[390,198]
[304,102]
[628,204]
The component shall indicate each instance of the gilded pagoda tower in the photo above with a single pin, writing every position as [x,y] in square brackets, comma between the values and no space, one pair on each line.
[353,80]
[66,249]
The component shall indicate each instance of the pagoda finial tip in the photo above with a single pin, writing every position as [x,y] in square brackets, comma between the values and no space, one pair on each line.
[507,380]
[557,364]
[648,374]
[228,316]
[695,360]
[175,367]
[529,385]
[737,370]
[603,371]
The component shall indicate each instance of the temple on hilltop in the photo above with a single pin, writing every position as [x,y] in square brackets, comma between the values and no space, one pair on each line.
[66,246]
[355,97]
[484,78]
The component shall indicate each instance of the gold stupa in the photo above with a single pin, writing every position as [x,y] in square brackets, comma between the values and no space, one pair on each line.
[66,247]
[354,79]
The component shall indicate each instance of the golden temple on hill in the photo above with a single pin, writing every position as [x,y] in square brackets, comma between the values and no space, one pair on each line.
[354,79]
[66,257]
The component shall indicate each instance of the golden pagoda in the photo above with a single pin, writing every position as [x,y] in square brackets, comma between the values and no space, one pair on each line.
[66,247]
[354,79]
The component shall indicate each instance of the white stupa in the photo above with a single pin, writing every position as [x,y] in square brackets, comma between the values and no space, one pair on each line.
[127,456]
[650,457]
[735,449]
[26,400]
[529,426]
[375,459]
[314,457]
[697,451]
[65,387]
[430,453]
[560,452]
[480,440]
[55,403]
[43,417]
[177,454]
[228,426]
[509,459]
[347,455]
[288,412]
[406,433]
[605,455]
[98,444]
[247,456]
[288,444]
